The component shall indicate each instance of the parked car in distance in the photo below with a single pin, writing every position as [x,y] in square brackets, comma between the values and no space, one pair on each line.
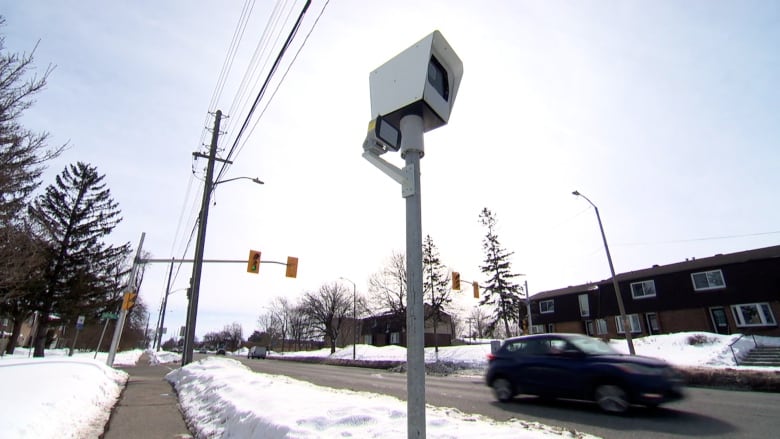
[202,351]
[221,351]
[257,352]
[575,366]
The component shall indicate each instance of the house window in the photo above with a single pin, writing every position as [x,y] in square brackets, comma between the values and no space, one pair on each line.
[633,320]
[546,306]
[641,290]
[368,339]
[601,326]
[551,327]
[708,280]
[584,308]
[537,329]
[395,338]
[753,314]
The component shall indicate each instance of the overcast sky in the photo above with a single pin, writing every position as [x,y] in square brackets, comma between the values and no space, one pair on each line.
[664,113]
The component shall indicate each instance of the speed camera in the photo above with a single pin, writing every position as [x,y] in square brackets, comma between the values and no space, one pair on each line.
[422,80]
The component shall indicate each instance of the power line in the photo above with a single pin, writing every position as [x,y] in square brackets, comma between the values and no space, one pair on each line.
[284,75]
[260,94]
[710,238]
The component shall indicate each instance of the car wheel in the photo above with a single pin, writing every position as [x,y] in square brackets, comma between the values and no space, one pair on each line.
[611,398]
[502,389]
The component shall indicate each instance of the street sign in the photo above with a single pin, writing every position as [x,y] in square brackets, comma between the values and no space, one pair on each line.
[80,323]
[108,315]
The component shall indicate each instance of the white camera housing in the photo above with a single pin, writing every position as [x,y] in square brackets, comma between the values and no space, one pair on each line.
[422,80]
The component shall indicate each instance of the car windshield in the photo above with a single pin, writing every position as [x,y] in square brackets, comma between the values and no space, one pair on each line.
[592,346]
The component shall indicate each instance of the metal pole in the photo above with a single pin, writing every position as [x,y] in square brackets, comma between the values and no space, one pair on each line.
[621,309]
[528,306]
[412,150]
[120,323]
[100,341]
[192,316]
[164,306]
[354,319]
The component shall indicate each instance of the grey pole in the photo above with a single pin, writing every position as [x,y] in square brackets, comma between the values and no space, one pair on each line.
[120,323]
[621,309]
[412,149]
[164,305]
[192,313]
[528,306]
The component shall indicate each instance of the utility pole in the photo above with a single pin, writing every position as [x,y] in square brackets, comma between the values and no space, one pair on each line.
[192,309]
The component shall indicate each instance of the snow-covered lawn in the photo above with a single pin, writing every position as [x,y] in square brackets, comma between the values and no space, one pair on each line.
[223,398]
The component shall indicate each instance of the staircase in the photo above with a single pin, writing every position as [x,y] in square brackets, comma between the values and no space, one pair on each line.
[762,356]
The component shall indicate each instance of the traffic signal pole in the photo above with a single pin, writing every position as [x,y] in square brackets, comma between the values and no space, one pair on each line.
[120,323]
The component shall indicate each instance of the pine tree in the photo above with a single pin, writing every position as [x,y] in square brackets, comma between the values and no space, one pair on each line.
[501,292]
[22,155]
[74,215]
[435,286]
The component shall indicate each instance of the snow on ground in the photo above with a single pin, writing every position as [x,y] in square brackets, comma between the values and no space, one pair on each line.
[59,396]
[220,396]
[224,398]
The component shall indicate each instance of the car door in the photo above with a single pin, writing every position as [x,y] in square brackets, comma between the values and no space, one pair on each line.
[559,369]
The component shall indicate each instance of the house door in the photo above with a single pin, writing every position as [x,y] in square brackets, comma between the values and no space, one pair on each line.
[653,327]
[719,320]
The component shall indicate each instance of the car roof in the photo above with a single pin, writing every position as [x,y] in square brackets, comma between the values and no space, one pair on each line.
[545,335]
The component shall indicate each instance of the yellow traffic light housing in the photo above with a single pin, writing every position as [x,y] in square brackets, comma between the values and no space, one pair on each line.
[292,267]
[128,302]
[253,263]
[475,286]
[456,281]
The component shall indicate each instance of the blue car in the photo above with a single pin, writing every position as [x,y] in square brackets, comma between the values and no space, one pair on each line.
[575,366]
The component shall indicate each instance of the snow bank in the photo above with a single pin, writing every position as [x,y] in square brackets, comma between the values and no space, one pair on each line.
[223,398]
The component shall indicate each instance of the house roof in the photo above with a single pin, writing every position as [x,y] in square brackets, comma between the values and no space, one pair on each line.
[687,265]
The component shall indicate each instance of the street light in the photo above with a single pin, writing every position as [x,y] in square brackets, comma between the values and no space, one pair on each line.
[623,318]
[354,315]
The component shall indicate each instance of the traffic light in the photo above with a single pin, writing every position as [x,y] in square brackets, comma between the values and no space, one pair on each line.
[128,302]
[475,286]
[292,267]
[456,281]
[253,264]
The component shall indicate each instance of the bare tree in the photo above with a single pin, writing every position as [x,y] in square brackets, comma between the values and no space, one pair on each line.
[327,309]
[233,336]
[479,321]
[387,288]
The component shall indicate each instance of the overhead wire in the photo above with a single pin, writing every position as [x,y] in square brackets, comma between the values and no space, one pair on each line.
[261,93]
[278,85]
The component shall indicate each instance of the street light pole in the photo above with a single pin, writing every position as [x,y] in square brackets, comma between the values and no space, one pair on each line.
[621,309]
[354,315]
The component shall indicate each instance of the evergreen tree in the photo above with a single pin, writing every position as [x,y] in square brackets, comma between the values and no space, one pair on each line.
[501,293]
[74,215]
[22,157]
[436,286]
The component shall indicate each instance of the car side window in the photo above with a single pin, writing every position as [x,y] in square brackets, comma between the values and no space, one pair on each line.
[558,346]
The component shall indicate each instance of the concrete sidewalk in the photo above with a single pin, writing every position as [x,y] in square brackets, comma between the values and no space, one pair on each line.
[148,407]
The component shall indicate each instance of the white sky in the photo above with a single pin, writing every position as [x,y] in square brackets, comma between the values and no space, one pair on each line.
[219,395]
[663,113]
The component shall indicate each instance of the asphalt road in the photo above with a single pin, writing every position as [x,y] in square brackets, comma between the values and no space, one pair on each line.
[705,413]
